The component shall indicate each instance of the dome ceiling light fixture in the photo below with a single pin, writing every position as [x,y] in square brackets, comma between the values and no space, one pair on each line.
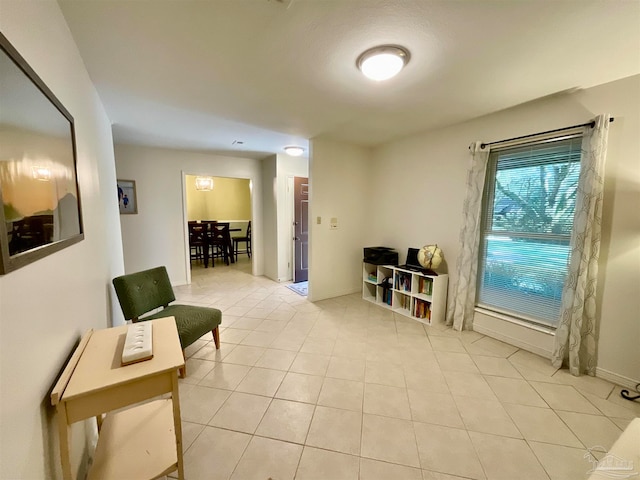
[294,151]
[383,62]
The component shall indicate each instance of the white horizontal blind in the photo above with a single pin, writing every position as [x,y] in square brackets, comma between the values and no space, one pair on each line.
[528,214]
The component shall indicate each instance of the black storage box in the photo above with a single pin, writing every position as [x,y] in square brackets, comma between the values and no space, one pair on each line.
[380,256]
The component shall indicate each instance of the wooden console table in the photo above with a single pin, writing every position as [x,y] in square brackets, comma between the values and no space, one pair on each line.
[143,441]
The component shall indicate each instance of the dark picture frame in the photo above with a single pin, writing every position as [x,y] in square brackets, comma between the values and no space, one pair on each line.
[127,197]
[41,212]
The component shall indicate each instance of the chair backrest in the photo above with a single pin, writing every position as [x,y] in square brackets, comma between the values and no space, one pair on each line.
[141,292]
[197,232]
[220,232]
[249,229]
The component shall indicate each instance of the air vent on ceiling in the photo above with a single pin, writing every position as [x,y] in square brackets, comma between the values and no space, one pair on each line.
[284,3]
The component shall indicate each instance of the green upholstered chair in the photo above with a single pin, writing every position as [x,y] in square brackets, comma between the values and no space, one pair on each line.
[141,292]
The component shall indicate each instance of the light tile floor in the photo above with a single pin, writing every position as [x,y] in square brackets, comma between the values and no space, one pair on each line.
[343,389]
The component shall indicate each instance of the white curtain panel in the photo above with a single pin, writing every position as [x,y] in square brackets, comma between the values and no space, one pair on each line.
[577,334]
[462,300]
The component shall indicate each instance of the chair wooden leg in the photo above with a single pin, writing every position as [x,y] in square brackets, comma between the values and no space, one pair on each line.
[216,337]
[182,372]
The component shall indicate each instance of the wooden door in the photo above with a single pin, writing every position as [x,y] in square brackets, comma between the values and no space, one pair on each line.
[301,229]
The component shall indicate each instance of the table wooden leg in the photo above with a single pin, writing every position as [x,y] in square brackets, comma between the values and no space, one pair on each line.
[175,398]
[230,250]
[64,432]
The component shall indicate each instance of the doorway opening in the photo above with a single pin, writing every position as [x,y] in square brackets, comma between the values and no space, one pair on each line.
[217,221]
[301,230]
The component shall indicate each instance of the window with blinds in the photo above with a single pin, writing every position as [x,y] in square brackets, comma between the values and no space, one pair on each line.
[528,212]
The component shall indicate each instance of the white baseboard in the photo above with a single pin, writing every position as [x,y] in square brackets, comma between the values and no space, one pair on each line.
[516,342]
[617,379]
[534,342]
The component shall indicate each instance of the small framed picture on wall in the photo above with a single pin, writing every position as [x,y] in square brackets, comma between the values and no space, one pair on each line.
[127,200]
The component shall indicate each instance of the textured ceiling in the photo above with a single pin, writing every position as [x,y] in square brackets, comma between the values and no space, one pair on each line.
[203,74]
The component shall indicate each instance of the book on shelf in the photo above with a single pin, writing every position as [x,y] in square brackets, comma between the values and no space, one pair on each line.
[425,286]
[403,282]
[406,302]
[422,309]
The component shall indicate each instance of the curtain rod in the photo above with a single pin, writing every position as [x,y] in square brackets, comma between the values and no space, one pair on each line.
[591,124]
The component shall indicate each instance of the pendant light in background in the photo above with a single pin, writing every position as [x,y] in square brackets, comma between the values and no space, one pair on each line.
[204,184]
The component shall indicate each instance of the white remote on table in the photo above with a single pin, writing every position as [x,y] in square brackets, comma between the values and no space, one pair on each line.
[138,344]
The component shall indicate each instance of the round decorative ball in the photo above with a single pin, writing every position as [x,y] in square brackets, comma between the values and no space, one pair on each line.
[430,256]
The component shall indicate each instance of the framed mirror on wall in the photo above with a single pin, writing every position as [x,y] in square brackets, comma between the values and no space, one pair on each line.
[41,211]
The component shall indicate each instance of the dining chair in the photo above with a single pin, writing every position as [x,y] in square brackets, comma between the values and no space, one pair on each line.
[142,292]
[247,241]
[197,240]
[220,242]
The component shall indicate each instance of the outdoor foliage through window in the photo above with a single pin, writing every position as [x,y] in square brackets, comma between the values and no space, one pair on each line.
[528,217]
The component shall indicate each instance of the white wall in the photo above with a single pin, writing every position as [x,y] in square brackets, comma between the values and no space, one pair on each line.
[277,209]
[270,216]
[340,187]
[288,167]
[417,193]
[46,306]
[157,234]
[229,200]
[619,276]
[419,187]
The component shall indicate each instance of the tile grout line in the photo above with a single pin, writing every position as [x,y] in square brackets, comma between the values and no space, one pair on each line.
[372,334]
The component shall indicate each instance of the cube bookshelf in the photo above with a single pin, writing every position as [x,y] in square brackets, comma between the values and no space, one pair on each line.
[412,294]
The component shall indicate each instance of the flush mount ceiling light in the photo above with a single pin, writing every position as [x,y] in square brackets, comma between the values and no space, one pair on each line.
[204,184]
[383,62]
[294,151]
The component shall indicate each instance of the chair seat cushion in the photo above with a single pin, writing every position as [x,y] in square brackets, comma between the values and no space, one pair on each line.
[192,322]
